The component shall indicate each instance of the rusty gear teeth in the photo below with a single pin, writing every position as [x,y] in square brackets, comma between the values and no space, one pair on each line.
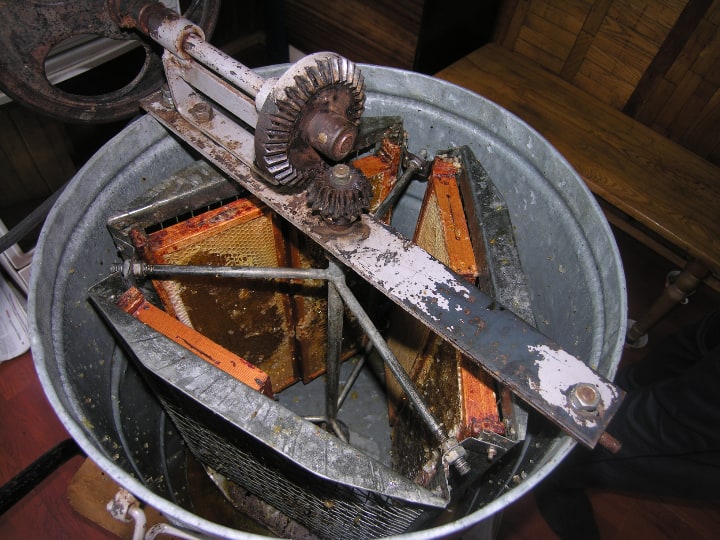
[340,195]
[322,80]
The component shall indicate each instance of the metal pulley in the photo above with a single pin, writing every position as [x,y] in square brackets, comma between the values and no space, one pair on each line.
[33,29]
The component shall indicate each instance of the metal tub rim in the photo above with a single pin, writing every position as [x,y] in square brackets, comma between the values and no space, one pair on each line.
[145,129]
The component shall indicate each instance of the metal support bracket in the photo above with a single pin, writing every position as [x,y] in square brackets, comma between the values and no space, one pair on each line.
[534,367]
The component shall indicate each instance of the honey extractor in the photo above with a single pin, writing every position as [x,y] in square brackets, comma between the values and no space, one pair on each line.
[574,283]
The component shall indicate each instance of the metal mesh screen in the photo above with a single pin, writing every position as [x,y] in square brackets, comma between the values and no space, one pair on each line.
[328,509]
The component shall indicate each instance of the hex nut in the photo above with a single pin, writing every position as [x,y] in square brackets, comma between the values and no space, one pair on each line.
[202,112]
[584,397]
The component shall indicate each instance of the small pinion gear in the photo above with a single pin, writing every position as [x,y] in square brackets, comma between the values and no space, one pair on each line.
[340,194]
[312,113]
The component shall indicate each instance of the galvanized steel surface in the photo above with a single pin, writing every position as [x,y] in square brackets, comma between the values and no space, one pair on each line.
[574,277]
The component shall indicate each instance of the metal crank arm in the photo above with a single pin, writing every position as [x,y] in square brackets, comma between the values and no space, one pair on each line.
[557,384]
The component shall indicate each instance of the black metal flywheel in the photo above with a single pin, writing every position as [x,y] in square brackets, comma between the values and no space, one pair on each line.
[30,30]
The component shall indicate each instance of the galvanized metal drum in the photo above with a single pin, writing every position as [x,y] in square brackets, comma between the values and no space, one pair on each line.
[573,269]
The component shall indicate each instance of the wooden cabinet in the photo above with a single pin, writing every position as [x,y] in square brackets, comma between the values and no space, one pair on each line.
[422,35]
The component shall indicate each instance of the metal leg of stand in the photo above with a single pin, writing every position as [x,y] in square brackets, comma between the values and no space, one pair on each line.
[28,479]
[677,291]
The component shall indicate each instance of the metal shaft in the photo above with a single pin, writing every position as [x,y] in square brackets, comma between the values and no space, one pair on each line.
[168,271]
[387,355]
[351,380]
[387,203]
[186,39]
[230,69]
[338,292]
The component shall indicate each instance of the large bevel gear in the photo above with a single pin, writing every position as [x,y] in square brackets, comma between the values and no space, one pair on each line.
[310,119]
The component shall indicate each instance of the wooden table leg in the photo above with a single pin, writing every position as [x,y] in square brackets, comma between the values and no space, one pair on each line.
[685,283]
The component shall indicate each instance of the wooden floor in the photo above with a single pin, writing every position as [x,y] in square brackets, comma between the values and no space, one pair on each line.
[28,427]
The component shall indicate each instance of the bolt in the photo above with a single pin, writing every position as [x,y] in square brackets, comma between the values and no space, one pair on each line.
[166,96]
[462,466]
[491,453]
[340,175]
[202,112]
[455,456]
[584,397]
[610,443]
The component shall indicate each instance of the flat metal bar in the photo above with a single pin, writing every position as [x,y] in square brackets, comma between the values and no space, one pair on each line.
[532,365]
[218,90]
[220,127]
[335,311]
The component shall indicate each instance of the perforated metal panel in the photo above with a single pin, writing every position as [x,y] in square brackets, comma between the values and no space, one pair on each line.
[323,483]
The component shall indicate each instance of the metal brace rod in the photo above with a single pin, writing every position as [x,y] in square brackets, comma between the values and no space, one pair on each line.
[169,271]
[415,164]
[333,274]
[339,294]
[344,393]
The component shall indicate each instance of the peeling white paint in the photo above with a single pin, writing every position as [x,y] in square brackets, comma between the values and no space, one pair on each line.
[406,271]
[558,371]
